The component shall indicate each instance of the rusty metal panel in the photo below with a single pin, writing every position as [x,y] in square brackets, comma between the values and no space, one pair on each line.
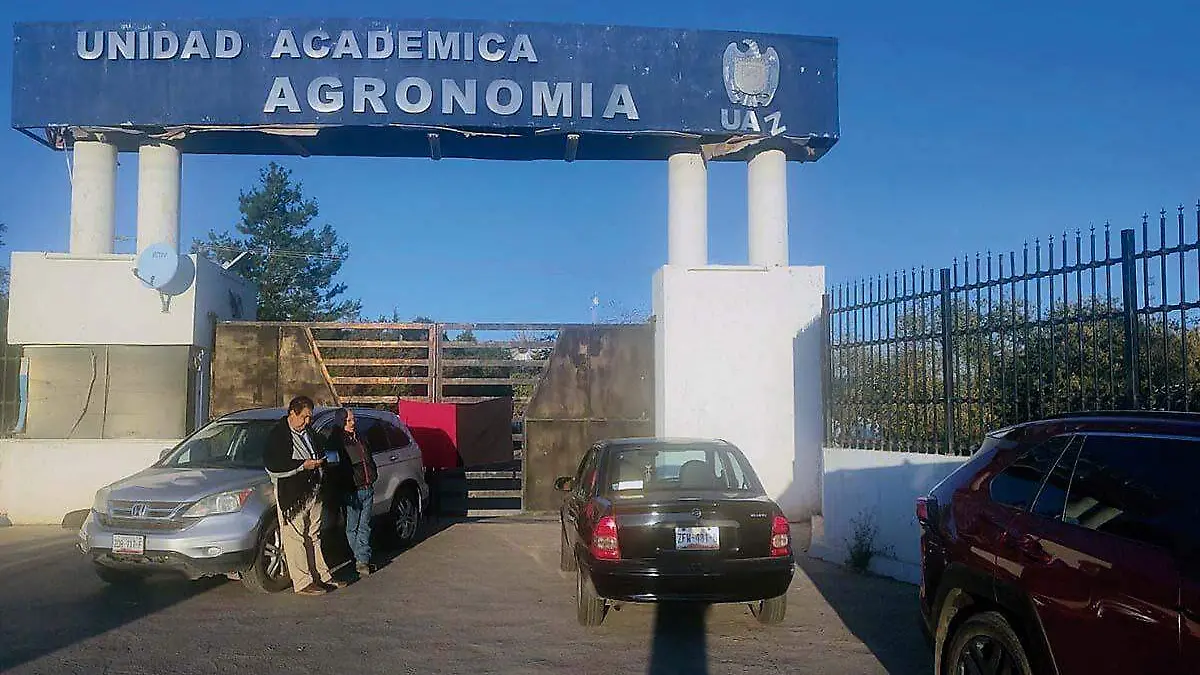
[300,373]
[554,448]
[245,368]
[599,385]
[624,357]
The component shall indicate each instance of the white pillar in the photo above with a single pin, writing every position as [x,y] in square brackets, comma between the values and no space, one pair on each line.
[93,198]
[687,210]
[159,169]
[768,209]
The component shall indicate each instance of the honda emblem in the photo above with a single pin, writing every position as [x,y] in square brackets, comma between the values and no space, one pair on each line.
[139,510]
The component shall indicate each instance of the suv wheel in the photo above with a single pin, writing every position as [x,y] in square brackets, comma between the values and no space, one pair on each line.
[405,518]
[116,577]
[268,573]
[986,644]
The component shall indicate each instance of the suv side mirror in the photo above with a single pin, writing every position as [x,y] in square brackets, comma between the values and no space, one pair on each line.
[164,453]
[563,484]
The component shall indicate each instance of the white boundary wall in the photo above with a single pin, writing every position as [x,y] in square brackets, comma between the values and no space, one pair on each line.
[43,480]
[738,356]
[885,485]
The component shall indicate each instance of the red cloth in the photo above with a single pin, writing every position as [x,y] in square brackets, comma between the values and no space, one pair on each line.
[434,427]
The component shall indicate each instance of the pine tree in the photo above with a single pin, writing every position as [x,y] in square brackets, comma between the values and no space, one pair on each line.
[292,261]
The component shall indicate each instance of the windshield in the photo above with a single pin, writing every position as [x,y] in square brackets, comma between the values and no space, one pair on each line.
[226,445]
[682,467]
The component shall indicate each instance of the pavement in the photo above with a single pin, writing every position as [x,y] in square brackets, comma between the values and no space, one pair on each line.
[477,597]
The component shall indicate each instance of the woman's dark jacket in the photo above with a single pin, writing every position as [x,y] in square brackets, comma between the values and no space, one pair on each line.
[356,468]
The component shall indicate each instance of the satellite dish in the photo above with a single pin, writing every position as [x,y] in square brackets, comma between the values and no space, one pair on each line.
[157,265]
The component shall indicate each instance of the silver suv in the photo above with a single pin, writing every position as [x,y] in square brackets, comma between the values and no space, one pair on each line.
[207,507]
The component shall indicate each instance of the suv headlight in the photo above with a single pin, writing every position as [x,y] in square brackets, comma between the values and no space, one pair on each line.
[100,503]
[225,502]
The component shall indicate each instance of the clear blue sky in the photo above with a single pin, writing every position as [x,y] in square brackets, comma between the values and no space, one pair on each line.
[965,126]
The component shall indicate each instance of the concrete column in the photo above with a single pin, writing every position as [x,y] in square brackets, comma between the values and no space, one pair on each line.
[159,169]
[687,210]
[768,209]
[93,198]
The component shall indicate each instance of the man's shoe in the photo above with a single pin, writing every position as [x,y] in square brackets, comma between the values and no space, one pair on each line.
[334,584]
[363,569]
[312,589]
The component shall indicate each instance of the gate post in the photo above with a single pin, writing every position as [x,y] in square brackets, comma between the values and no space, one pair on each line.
[826,370]
[947,359]
[1129,314]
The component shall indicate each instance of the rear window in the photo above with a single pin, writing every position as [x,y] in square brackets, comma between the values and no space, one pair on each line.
[1018,485]
[679,467]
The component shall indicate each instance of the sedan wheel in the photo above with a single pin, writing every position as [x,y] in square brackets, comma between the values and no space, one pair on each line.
[566,557]
[772,610]
[589,608]
[987,645]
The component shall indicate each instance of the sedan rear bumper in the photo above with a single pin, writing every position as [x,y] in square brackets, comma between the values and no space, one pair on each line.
[715,582]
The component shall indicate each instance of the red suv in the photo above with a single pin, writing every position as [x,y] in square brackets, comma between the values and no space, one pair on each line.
[1069,545]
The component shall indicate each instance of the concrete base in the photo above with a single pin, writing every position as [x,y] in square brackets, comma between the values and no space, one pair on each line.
[42,481]
[882,487]
[738,357]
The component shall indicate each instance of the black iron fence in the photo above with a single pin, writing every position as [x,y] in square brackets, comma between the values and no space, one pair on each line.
[930,360]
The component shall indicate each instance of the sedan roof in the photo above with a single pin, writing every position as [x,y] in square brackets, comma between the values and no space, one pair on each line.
[662,441]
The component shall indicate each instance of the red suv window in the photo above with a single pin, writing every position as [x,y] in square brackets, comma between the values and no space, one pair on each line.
[1137,488]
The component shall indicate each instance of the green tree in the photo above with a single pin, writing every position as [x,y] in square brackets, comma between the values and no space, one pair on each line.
[292,261]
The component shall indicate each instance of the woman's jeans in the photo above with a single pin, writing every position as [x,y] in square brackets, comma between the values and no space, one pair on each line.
[358,523]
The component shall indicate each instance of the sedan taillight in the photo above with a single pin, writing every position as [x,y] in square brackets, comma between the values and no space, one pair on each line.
[604,540]
[781,537]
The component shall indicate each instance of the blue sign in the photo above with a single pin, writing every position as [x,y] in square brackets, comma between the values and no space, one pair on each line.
[425,87]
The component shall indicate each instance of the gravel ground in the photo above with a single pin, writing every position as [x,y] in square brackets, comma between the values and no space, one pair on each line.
[477,597]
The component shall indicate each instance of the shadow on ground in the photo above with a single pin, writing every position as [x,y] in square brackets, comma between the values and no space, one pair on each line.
[101,611]
[679,643]
[880,612]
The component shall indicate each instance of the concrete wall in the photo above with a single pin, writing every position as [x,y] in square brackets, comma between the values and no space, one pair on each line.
[43,480]
[885,486]
[737,356]
[57,299]
[108,391]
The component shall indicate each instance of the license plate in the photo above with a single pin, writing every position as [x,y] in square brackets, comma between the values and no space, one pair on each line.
[697,538]
[129,543]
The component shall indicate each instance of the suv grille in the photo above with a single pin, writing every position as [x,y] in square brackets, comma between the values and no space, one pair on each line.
[145,516]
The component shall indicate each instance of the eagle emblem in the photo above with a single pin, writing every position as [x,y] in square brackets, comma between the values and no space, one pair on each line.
[751,76]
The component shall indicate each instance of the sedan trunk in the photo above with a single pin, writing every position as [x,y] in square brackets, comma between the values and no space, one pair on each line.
[692,526]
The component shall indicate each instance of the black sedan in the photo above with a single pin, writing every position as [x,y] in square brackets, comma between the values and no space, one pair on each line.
[663,520]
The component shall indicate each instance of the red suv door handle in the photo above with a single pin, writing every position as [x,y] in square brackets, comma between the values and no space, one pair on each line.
[1026,545]
[1032,549]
